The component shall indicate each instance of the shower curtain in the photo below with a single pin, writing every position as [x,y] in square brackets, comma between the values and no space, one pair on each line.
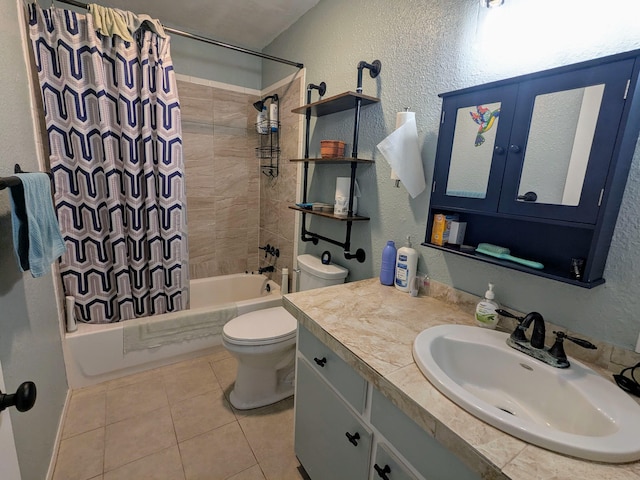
[113,123]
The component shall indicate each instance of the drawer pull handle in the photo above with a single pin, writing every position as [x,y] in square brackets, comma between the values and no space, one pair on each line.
[382,472]
[320,361]
[353,438]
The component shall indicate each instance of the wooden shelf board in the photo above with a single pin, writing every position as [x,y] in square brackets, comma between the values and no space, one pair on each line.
[335,104]
[355,218]
[332,160]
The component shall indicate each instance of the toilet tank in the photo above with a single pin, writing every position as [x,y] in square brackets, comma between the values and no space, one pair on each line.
[314,274]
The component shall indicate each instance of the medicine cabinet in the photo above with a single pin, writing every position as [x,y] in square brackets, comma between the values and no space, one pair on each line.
[538,164]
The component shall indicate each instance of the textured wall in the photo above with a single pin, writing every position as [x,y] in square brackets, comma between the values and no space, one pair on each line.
[30,346]
[433,46]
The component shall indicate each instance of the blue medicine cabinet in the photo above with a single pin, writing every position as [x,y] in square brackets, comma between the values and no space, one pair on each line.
[538,164]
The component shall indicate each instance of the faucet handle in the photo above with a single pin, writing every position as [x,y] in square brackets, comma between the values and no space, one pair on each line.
[577,341]
[504,313]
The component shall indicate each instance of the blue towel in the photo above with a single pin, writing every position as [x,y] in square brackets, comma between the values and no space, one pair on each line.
[36,234]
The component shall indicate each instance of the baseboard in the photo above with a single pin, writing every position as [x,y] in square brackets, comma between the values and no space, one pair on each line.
[56,444]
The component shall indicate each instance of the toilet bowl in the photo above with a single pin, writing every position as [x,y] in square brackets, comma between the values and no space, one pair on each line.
[264,342]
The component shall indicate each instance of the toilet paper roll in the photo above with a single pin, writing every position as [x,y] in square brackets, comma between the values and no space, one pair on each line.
[402,152]
[341,205]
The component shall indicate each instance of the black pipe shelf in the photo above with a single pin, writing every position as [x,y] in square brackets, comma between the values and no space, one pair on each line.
[338,103]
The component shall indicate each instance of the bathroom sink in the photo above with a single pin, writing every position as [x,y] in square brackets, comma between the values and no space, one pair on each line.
[573,411]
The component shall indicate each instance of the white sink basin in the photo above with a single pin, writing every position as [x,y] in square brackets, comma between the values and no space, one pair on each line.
[574,411]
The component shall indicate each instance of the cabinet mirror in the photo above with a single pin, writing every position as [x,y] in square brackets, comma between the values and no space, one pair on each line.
[559,144]
[473,142]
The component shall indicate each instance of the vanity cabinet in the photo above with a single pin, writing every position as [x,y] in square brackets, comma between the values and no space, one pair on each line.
[346,429]
[538,164]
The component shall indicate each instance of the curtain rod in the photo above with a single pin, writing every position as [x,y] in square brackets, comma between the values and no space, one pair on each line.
[206,40]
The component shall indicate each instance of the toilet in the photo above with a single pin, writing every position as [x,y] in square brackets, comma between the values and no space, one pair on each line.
[264,342]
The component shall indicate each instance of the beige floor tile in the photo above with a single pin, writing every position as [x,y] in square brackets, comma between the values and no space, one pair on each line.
[123,403]
[137,437]
[253,473]
[282,468]
[132,379]
[188,380]
[163,465]
[225,371]
[81,457]
[216,455]
[269,430]
[86,412]
[199,414]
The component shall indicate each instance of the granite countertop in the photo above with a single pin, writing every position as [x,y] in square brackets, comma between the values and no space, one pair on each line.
[372,328]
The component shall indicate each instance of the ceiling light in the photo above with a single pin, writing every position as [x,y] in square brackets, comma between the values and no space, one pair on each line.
[491,3]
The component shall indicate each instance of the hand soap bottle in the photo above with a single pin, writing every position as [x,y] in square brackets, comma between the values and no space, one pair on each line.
[406,267]
[486,315]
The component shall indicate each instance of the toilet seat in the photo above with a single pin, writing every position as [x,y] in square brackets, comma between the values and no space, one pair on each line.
[261,327]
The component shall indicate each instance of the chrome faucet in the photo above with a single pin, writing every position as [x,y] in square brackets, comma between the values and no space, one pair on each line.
[555,355]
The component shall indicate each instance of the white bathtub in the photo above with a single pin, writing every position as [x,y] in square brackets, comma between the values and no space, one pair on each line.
[94,353]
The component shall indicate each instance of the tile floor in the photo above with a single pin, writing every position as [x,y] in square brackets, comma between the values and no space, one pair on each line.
[175,423]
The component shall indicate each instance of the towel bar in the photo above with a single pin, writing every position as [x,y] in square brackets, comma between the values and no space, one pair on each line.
[6,182]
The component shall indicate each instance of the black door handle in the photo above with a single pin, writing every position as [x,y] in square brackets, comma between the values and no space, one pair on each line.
[23,399]
[353,438]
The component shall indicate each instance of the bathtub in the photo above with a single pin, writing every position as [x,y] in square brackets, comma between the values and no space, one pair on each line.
[95,353]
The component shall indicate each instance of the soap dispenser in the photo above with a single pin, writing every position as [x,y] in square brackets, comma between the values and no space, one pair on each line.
[486,314]
[406,267]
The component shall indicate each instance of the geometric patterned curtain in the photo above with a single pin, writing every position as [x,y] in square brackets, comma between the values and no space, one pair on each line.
[113,122]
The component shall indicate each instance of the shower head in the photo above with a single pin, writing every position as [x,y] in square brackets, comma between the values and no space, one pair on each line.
[259,105]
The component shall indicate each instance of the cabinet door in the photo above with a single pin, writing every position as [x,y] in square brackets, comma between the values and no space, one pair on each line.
[472,144]
[562,143]
[322,422]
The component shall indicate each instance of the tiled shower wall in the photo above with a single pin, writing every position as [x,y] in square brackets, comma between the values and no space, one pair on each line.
[232,207]
[277,221]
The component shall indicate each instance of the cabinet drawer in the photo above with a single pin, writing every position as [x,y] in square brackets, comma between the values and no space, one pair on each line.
[335,370]
[322,422]
[421,450]
[387,466]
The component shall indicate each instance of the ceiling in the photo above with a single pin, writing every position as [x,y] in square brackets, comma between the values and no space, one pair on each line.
[248,23]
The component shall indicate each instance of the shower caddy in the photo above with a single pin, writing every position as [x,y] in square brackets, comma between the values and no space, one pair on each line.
[268,153]
[338,103]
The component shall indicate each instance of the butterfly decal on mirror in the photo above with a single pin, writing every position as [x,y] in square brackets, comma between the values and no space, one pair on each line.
[485,118]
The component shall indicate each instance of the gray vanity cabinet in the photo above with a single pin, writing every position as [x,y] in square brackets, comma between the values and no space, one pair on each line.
[323,423]
[346,429]
[538,164]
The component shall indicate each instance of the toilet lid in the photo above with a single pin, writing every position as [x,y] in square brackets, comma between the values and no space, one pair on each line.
[270,325]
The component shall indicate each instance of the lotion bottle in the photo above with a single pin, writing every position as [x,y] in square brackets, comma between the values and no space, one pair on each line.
[388,266]
[406,267]
[262,122]
[273,116]
[486,315]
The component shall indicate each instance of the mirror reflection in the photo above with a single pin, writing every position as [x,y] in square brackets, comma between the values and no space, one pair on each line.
[560,138]
[473,143]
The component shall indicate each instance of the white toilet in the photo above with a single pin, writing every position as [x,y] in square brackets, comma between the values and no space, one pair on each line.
[264,342]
